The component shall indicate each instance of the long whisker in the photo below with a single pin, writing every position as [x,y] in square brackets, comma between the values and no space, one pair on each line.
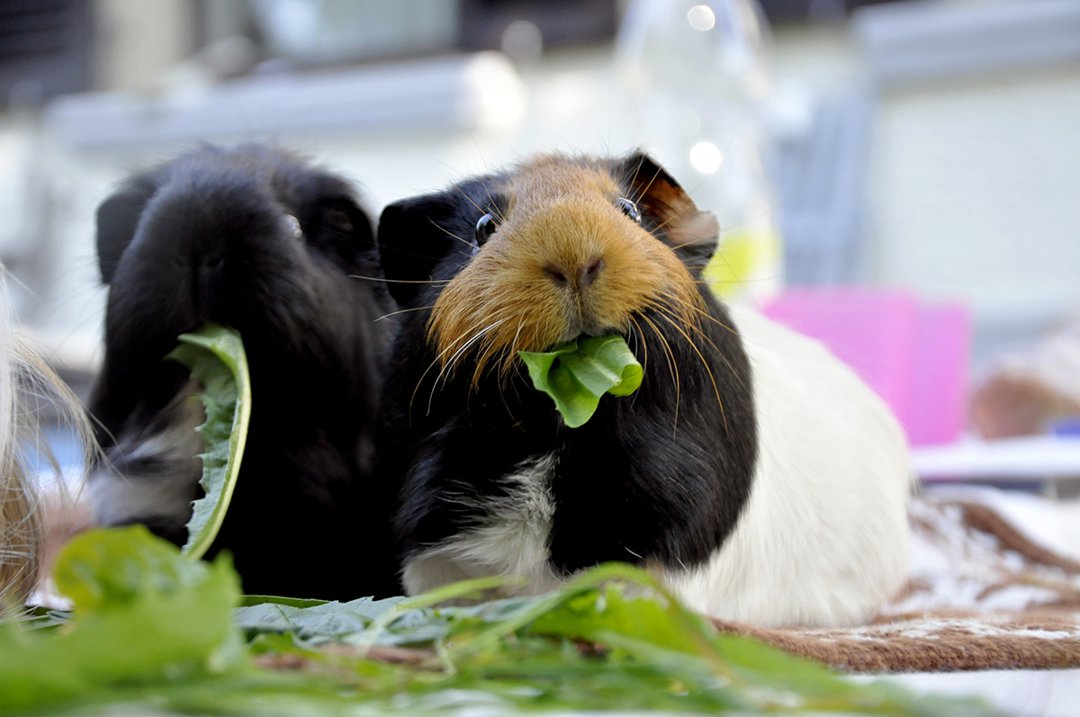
[706,315]
[404,311]
[493,204]
[437,359]
[696,329]
[672,367]
[438,282]
[639,337]
[648,186]
[708,369]
[447,368]
[507,363]
[449,233]
[472,201]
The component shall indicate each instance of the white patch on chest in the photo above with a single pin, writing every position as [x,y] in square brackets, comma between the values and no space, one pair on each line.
[511,540]
[153,476]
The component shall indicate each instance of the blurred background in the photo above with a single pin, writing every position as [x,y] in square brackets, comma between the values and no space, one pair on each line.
[922,156]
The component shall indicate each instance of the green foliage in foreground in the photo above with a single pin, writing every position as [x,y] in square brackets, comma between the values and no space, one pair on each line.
[155,632]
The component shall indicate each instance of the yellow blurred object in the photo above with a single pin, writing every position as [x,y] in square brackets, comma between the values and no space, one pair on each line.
[746,264]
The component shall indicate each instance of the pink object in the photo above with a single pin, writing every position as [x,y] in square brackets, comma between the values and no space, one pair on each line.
[914,356]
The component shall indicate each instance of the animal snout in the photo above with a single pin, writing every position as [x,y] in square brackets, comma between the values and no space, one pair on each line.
[577,276]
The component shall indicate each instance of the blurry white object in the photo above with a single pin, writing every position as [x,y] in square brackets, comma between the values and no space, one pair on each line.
[16,153]
[1032,458]
[473,92]
[699,70]
[342,30]
[913,42]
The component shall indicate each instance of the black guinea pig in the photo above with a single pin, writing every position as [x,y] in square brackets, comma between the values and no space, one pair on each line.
[259,240]
[752,471]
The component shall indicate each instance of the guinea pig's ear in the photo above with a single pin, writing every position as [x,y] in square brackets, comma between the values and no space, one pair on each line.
[687,229]
[117,219]
[343,218]
[414,236]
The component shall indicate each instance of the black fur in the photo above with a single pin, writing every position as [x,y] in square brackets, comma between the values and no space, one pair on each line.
[651,477]
[206,237]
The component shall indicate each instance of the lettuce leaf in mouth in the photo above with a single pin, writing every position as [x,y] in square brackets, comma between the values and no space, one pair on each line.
[215,355]
[577,374]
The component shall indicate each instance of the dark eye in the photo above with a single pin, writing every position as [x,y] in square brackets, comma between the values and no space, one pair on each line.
[629,209]
[485,227]
[338,220]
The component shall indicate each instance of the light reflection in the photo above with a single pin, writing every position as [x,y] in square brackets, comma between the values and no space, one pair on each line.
[706,157]
[701,17]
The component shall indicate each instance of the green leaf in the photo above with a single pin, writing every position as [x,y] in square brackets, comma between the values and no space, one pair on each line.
[577,374]
[331,620]
[144,615]
[527,653]
[215,355]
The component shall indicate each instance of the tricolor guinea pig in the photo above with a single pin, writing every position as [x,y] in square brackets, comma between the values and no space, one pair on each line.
[261,241]
[752,471]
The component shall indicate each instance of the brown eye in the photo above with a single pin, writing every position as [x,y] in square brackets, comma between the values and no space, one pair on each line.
[485,227]
[629,209]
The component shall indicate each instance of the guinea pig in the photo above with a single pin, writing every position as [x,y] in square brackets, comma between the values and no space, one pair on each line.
[261,241]
[752,472]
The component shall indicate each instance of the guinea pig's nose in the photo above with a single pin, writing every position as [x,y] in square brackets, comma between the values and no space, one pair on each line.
[578,277]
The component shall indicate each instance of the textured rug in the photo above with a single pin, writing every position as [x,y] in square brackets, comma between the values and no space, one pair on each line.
[995,584]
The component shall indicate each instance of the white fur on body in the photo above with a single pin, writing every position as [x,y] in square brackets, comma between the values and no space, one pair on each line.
[823,539]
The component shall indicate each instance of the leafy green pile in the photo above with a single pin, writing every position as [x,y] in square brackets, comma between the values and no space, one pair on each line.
[154,630]
[577,374]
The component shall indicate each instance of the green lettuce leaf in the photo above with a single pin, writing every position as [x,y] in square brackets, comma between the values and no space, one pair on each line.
[577,374]
[143,615]
[217,360]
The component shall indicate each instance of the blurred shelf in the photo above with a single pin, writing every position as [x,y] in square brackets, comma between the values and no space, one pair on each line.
[1034,459]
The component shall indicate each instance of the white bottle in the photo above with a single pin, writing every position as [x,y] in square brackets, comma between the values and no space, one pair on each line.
[699,75]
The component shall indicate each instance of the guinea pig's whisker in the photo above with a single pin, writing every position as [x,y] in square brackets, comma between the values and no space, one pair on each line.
[434,362]
[438,282]
[449,233]
[511,353]
[696,329]
[479,208]
[639,340]
[663,225]
[485,359]
[447,368]
[499,217]
[404,311]
[707,316]
[673,369]
[648,186]
[668,317]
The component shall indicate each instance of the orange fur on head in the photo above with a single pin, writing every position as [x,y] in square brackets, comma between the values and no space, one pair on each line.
[566,261]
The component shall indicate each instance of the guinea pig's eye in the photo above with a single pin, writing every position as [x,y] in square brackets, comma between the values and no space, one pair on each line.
[485,227]
[338,220]
[294,226]
[629,209]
